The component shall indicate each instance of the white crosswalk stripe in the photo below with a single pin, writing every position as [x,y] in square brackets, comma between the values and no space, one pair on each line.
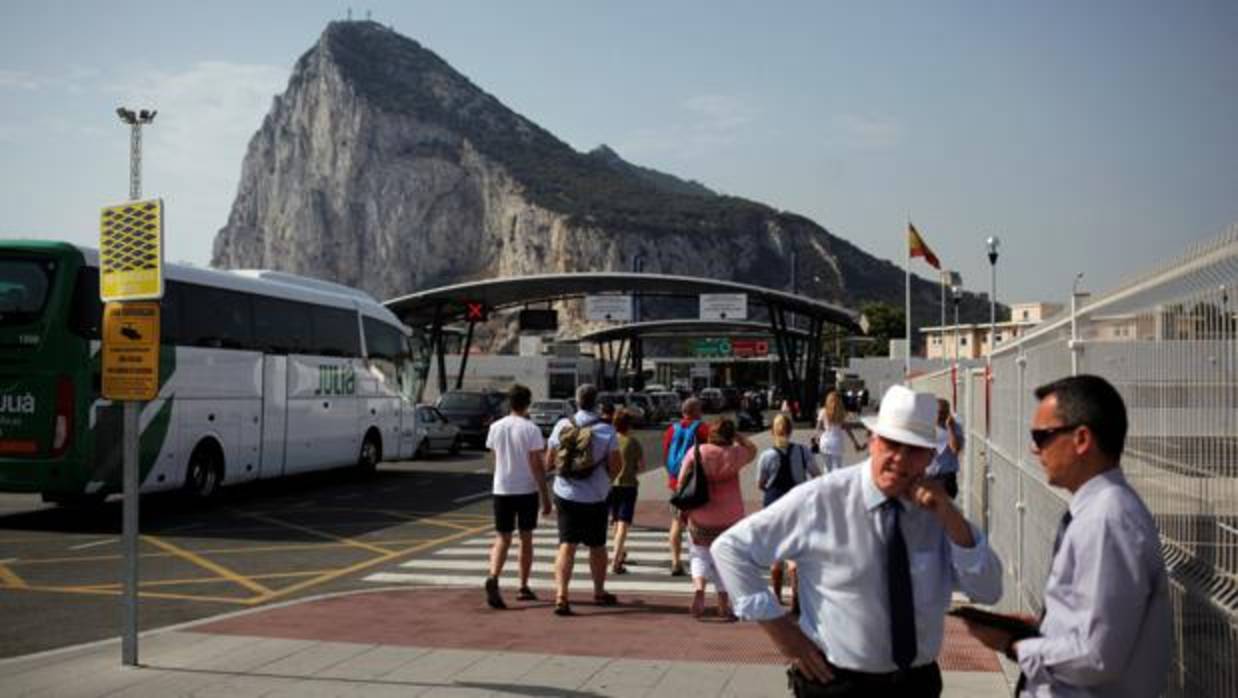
[465,565]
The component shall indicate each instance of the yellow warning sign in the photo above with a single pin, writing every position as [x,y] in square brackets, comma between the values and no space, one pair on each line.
[131,351]
[131,251]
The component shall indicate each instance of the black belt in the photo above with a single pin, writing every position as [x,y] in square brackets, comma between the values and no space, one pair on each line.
[921,680]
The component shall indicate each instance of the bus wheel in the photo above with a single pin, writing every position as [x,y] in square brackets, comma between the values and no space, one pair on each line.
[371,452]
[202,474]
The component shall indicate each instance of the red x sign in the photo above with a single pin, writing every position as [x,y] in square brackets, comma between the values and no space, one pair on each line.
[474,311]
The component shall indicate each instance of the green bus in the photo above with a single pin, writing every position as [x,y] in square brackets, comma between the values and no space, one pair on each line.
[262,374]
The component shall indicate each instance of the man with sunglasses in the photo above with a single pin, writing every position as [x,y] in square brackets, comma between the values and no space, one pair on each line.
[880,548]
[1105,627]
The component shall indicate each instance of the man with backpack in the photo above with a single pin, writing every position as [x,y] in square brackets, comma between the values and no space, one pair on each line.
[584,453]
[676,442]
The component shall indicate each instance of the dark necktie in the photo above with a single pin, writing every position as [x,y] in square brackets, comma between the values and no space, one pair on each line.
[902,605]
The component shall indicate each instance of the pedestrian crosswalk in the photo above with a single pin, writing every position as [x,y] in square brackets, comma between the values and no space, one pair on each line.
[466,563]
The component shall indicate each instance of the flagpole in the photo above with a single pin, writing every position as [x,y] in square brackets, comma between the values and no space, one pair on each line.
[907,306]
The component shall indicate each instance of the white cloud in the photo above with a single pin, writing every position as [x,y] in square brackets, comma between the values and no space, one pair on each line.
[864,132]
[19,80]
[194,149]
[710,123]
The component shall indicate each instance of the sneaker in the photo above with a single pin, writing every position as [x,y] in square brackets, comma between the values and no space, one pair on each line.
[677,570]
[605,599]
[563,608]
[492,593]
[526,594]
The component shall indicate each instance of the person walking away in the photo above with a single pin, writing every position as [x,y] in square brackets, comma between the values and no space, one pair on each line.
[831,424]
[623,488]
[519,484]
[857,535]
[679,439]
[945,465]
[1105,628]
[581,501]
[780,468]
[721,459]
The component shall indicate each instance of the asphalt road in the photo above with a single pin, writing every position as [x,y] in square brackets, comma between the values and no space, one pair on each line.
[259,544]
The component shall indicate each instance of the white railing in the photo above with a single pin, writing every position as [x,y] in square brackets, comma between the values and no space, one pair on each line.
[1168,340]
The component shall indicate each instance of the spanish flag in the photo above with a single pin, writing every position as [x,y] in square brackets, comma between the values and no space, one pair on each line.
[918,248]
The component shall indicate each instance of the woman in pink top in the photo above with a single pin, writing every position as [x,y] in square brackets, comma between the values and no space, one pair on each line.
[725,454]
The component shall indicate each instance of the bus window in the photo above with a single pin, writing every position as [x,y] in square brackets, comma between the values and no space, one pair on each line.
[335,332]
[282,326]
[24,285]
[216,318]
[86,316]
[383,341]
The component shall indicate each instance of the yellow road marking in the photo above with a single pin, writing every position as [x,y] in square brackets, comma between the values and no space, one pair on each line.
[203,580]
[144,594]
[320,534]
[208,564]
[10,579]
[214,551]
[334,574]
[431,521]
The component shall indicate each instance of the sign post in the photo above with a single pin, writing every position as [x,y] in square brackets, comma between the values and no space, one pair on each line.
[131,269]
[724,306]
[608,308]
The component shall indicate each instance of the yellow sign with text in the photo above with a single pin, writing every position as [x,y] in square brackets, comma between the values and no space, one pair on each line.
[131,351]
[131,251]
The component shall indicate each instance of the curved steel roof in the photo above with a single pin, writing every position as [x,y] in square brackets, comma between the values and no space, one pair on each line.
[683,328]
[418,309]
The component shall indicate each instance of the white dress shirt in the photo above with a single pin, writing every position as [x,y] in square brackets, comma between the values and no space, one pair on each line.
[832,527]
[1107,619]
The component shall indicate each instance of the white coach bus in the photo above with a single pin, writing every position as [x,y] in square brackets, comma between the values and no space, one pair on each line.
[262,374]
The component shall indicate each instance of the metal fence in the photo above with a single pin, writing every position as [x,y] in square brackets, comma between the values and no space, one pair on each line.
[1168,341]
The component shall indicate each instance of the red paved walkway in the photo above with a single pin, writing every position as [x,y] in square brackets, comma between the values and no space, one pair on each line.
[642,627]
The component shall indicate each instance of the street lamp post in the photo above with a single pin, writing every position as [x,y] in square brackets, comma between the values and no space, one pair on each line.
[992,244]
[1075,346]
[132,411]
[956,295]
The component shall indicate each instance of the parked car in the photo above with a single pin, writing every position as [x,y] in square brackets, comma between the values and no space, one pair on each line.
[547,413]
[712,400]
[472,412]
[618,399]
[668,403]
[434,432]
[652,415]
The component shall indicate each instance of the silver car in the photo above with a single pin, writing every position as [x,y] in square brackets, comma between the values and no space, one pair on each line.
[434,432]
[547,413]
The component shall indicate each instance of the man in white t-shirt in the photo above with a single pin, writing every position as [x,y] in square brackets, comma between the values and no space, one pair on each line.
[519,483]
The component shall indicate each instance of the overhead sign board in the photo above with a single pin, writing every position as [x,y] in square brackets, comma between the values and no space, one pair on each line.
[750,347]
[712,346]
[131,251]
[724,306]
[131,351]
[613,308]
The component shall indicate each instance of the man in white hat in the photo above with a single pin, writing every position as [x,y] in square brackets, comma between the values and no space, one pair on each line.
[880,549]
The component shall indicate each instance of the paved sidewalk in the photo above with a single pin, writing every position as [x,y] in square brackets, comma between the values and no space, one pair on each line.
[424,641]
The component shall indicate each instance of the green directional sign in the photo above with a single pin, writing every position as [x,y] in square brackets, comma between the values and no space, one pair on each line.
[712,346]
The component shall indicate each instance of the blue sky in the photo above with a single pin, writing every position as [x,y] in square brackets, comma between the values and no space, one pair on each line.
[1096,136]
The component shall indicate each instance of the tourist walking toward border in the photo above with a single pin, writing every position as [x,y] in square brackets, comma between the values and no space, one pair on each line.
[831,424]
[721,459]
[519,484]
[623,488]
[945,465]
[678,440]
[780,468]
[581,501]
[857,534]
[1105,630]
